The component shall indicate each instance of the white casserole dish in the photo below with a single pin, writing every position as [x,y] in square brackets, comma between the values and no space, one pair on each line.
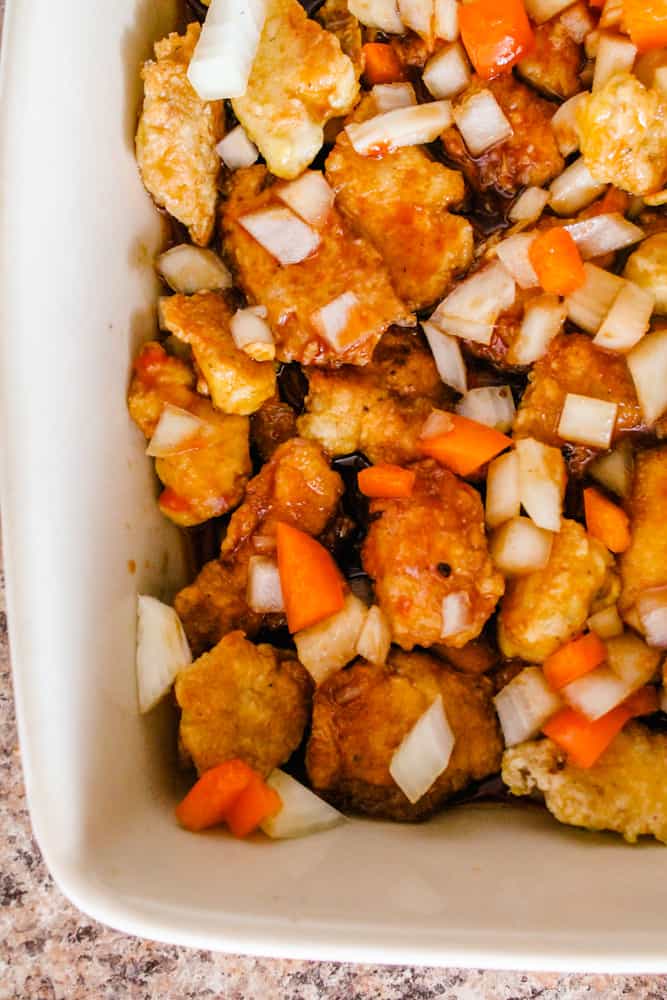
[481,885]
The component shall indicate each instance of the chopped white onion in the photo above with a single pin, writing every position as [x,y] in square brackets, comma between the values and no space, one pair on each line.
[611,15]
[586,420]
[606,623]
[388,96]
[503,500]
[596,693]
[529,205]
[492,405]
[236,150]
[330,644]
[446,20]
[456,614]
[424,753]
[189,269]
[302,812]
[603,234]
[628,319]
[223,57]
[447,356]
[615,55]
[477,301]
[252,334]
[265,595]
[577,21]
[282,233]
[309,196]
[333,321]
[514,255]
[447,72]
[162,650]
[543,319]
[564,125]
[417,15]
[524,705]
[648,366]
[614,470]
[176,431]
[652,611]
[542,480]
[438,422]
[465,329]
[374,641]
[660,79]
[408,126]
[543,10]
[481,122]
[382,14]
[632,660]
[591,46]
[589,305]
[519,547]
[574,189]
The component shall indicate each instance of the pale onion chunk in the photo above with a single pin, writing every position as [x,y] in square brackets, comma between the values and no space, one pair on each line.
[596,693]
[466,329]
[417,15]
[438,422]
[589,305]
[577,21]
[446,20]
[188,269]
[330,644]
[456,614]
[529,205]
[574,189]
[424,753]
[481,122]
[524,705]
[603,234]
[631,659]
[301,813]
[586,420]
[652,611]
[543,319]
[628,319]
[648,366]
[447,72]
[543,10]
[252,334]
[382,14]
[374,639]
[611,15]
[162,650]
[606,623]
[513,253]
[265,595]
[503,500]
[492,405]
[614,470]
[615,55]
[660,79]
[176,431]
[225,52]
[309,196]
[409,126]
[591,46]
[564,125]
[542,480]
[477,301]
[236,150]
[388,96]
[448,359]
[334,321]
[519,547]
[282,233]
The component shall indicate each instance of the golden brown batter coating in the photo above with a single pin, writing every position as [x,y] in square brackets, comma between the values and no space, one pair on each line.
[215,603]
[272,425]
[553,65]
[644,564]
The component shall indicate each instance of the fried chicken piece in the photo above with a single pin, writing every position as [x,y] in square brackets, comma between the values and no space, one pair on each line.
[342,263]
[360,716]
[237,384]
[242,700]
[399,202]
[644,564]
[529,157]
[271,425]
[206,481]
[647,267]
[543,610]
[215,603]
[334,15]
[300,79]
[420,549]
[624,791]
[177,136]
[553,65]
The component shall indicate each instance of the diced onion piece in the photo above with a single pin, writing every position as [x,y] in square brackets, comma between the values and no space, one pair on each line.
[446,20]
[162,650]
[519,547]
[189,269]
[606,623]
[388,96]
[481,122]
[603,234]
[236,150]
[309,196]
[589,305]
[586,420]
[477,301]
[329,645]
[334,321]
[466,329]
[564,125]
[409,126]
[577,21]
[543,10]
[543,319]
[302,812]
[223,57]
[176,431]
[615,55]
[282,233]
[424,753]
[438,422]
[447,72]
[492,405]
[374,640]
[524,705]
[503,500]
[632,660]
[252,334]
[596,693]
[417,15]
[591,46]
[660,80]
[652,611]
[529,205]
[382,14]
[542,481]
[513,254]
[265,595]
[574,189]
[456,614]
[447,356]
[611,15]
[628,319]
[614,470]
[648,366]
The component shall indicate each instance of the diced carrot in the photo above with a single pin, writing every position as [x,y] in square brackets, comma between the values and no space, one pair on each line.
[573,660]
[466,447]
[172,501]
[381,64]
[585,741]
[386,481]
[311,582]
[256,803]
[643,702]
[606,521]
[557,262]
[646,23]
[495,34]
[209,800]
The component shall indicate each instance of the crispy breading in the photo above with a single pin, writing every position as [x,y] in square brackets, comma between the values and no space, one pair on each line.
[553,64]
[624,791]
[529,157]
[644,564]
[236,383]
[206,481]
[300,79]
[399,202]
[245,701]
[342,263]
[215,603]
[177,136]
[424,547]
[334,15]
[361,714]
[272,425]
[543,610]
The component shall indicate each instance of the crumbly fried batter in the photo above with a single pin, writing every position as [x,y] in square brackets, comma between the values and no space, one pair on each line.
[215,603]
[334,15]
[300,79]
[644,564]
[361,714]
[422,548]
[553,65]
[272,425]
[544,609]
[624,791]
[529,157]
[204,482]
[176,138]
[399,203]
[647,267]
[241,700]
[342,263]
[237,384]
